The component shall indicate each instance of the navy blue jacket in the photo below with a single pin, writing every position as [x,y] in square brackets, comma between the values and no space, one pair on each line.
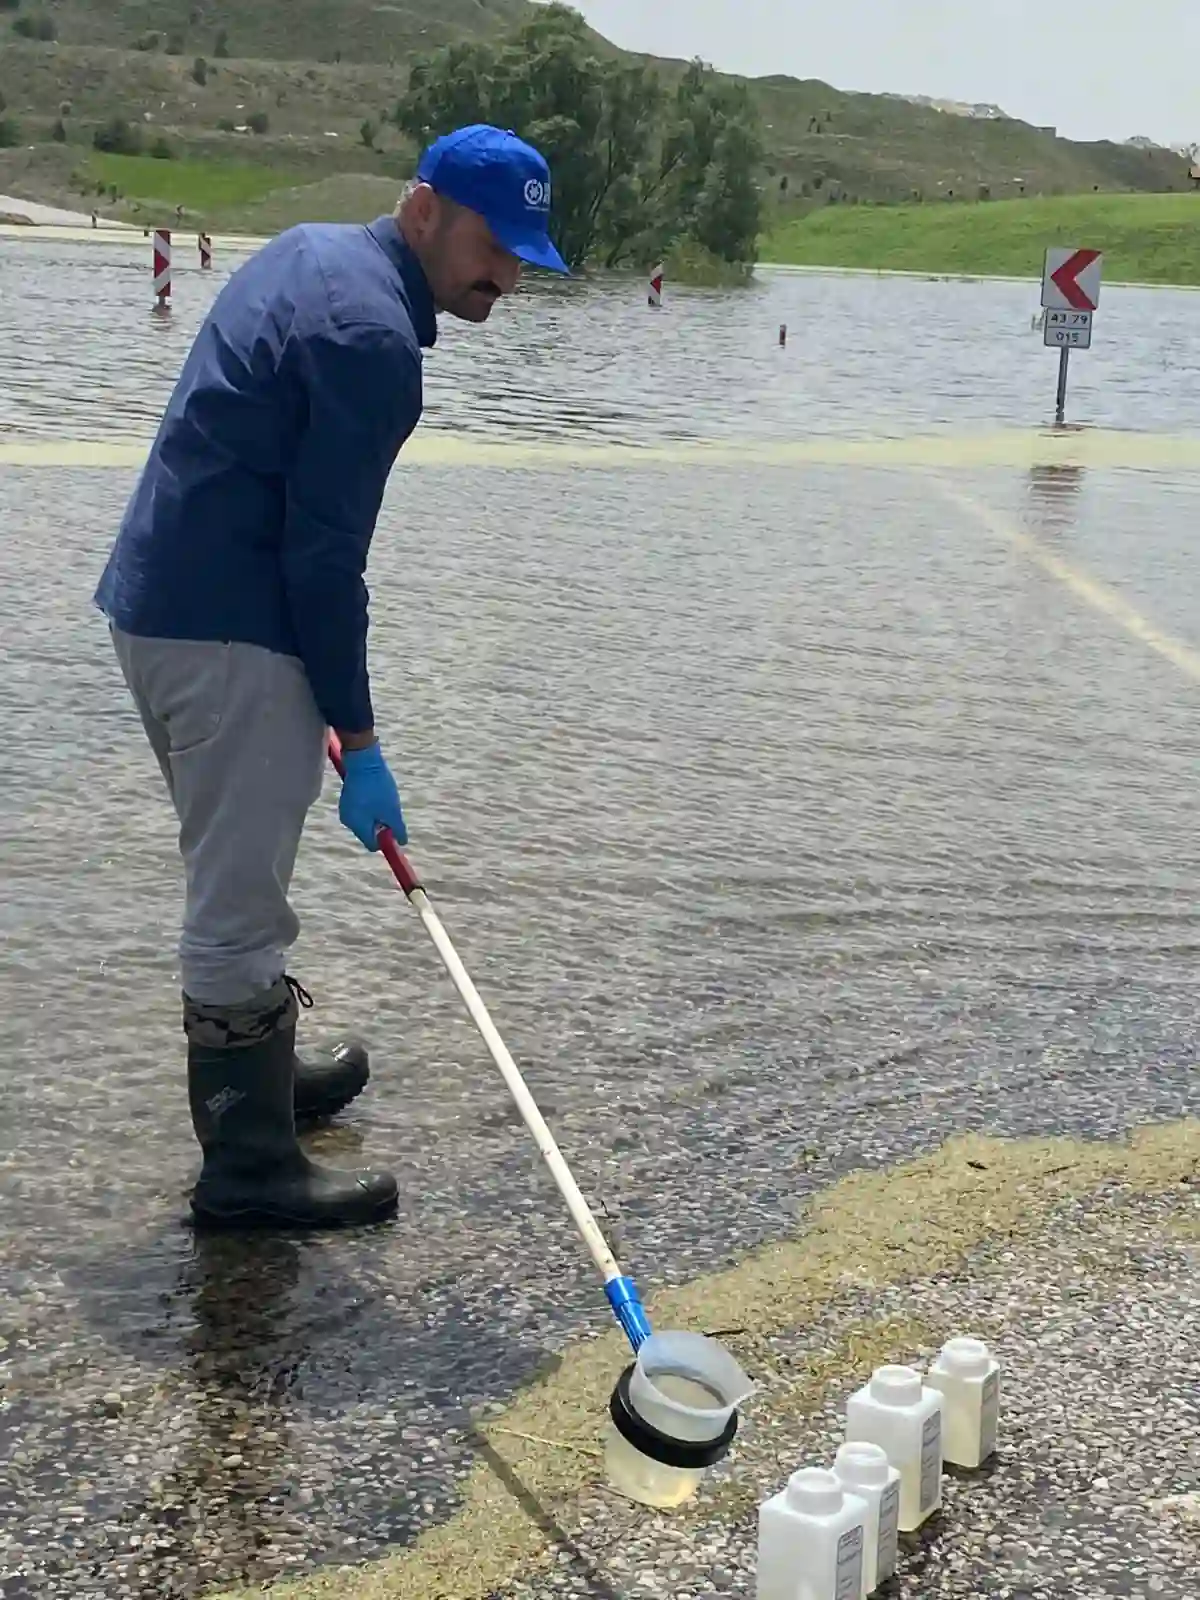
[254,514]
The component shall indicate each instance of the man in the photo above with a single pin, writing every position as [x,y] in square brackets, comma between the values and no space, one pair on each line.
[238,611]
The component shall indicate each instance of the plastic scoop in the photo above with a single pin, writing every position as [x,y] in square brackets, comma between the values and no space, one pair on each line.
[673,1415]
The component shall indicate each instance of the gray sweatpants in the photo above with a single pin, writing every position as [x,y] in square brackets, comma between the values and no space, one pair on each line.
[242,747]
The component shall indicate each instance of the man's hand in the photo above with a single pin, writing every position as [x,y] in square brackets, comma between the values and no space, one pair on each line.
[370,799]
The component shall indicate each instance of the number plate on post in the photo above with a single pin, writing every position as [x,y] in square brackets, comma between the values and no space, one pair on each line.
[1072,329]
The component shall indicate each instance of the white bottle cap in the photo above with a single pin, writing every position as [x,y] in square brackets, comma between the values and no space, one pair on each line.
[815,1491]
[965,1358]
[896,1386]
[861,1463]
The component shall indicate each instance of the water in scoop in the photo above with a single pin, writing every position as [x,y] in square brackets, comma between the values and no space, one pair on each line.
[649,1482]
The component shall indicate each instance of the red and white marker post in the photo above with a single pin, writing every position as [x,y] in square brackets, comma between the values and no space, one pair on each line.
[656,286]
[162,266]
[205,252]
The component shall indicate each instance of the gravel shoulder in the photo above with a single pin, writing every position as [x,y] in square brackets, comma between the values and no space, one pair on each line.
[1079,1262]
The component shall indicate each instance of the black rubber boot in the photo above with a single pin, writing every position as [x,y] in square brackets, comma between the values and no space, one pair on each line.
[326,1080]
[255,1174]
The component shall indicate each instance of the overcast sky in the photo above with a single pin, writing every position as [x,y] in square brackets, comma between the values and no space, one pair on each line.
[1095,68]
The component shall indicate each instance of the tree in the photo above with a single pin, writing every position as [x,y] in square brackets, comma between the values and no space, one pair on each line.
[713,151]
[10,134]
[546,84]
[9,5]
[41,28]
[200,71]
[221,47]
[161,150]
[118,137]
[634,168]
[728,211]
[59,132]
[258,122]
[367,134]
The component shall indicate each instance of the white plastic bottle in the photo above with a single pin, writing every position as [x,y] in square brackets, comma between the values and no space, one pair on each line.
[811,1538]
[898,1413]
[865,1470]
[968,1379]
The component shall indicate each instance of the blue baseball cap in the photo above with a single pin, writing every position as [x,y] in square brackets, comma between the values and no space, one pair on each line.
[505,180]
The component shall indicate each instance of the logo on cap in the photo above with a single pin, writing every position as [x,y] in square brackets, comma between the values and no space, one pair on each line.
[537,194]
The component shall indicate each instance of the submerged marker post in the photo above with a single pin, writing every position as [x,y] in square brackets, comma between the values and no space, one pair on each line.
[162,267]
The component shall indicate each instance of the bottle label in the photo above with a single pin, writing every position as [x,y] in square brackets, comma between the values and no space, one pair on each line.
[889,1531]
[931,1461]
[989,1415]
[848,1583]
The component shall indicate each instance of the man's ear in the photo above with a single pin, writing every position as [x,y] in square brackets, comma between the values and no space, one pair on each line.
[421,210]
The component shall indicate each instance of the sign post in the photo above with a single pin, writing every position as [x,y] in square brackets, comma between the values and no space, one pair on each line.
[1070,294]
[1060,400]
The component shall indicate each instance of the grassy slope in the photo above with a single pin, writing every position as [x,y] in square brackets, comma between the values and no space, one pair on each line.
[315,112]
[302,99]
[881,147]
[318,68]
[367,31]
[1145,238]
[207,187]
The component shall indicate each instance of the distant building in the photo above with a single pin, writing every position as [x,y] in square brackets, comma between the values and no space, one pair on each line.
[956,108]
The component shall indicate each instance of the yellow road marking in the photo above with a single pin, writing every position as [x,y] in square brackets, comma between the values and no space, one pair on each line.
[1016,448]
[1092,591]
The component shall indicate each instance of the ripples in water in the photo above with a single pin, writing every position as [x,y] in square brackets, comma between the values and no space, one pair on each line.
[84,356]
[787,820]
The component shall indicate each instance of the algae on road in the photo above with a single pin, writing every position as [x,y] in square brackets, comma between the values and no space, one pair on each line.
[869,1230]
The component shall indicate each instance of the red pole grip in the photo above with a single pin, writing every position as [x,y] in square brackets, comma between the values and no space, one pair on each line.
[388,848]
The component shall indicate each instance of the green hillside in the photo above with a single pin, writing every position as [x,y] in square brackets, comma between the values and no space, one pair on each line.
[877,147]
[309,73]
[361,31]
[1145,238]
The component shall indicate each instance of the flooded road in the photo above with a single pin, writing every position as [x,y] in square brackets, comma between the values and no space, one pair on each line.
[790,815]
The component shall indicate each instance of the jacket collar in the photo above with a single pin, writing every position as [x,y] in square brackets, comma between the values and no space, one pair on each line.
[417,293]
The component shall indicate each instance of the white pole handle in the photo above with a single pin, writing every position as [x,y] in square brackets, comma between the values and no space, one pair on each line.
[580,1211]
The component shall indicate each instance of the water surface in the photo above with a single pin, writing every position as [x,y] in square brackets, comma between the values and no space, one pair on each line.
[788,817]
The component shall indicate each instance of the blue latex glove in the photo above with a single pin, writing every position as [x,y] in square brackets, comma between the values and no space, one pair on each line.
[369,797]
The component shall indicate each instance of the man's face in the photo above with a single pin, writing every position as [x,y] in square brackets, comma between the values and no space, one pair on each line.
[467,267]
